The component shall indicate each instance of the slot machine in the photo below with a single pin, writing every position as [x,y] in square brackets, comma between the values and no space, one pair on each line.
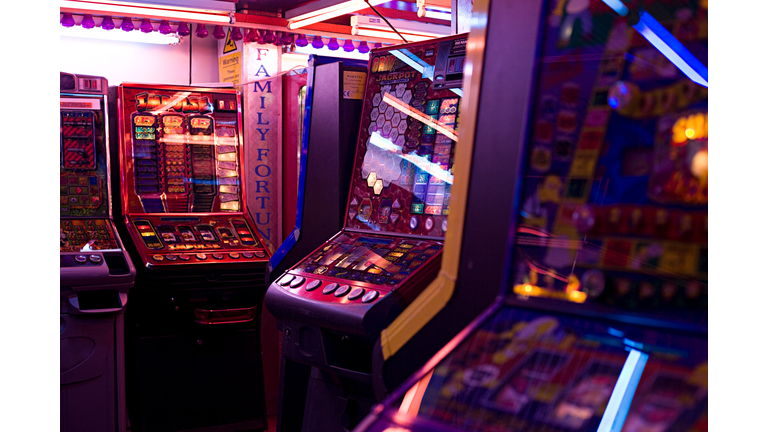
[601,321]
[331,304]
[96,272]
[193,331]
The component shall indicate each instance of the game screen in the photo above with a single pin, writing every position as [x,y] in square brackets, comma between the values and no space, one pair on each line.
[83,187]
[377,260]
[404,165]
[86,234]
[524,370]
[614,199]
[181,151]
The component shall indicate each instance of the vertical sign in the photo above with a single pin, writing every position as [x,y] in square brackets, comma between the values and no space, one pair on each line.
[262,118]
[461,15]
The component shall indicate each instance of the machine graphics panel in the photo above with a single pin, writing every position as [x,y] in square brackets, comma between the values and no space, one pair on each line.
[403,169]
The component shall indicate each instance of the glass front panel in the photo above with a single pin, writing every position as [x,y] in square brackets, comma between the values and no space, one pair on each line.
[182,151]
[373,259]
[404,164]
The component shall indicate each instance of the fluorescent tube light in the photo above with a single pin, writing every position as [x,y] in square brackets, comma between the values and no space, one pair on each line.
[392,35]
[119,35]
[149,11]
[302,16]
[360,22]
[623,392]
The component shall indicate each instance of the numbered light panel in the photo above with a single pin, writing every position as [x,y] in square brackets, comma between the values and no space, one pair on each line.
[355,268]
[211,239]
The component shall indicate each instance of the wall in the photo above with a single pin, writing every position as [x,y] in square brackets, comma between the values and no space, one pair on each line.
[141,63]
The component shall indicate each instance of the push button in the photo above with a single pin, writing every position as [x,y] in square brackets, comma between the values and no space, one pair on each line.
[297,282]
[356,293]
[313,285]
[158,257]
[260,254]
[285,280]
[331,287]
[201,256]
[371,296]
[247,255]
[96,259]
[342,291]
[81,258]
[171,257]
[217,255]
[184,257]
[234,255]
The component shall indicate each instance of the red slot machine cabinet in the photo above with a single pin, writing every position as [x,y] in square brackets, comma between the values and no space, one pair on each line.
[196,322]
[332,304]
[601,320]
[96,272]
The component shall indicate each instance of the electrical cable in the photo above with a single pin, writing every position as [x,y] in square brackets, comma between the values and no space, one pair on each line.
[386,21]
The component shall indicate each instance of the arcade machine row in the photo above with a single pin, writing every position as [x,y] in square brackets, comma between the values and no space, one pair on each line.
[95,270]
[193,328]
[334,302]
[602,325]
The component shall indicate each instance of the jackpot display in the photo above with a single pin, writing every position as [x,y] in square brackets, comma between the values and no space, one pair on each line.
[396,215]
[603,321]
[96,272]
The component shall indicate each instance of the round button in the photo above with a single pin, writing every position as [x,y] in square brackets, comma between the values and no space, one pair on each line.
[260,254]
[217,255]
[356,294]
[444,226]
[342,291]
[414,222]
[331,287]
[96,259]
[313,285]
[297,282]
[171,257]
[234,255]
[81,258]
[371,296]
[158,257]
[429,224]
[184,257]
[286,280]
[201,256]
[247,255]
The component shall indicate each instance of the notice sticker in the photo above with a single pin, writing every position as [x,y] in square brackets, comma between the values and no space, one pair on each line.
[354,85]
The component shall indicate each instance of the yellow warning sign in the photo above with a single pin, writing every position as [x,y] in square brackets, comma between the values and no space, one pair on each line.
[229,44]
[354,84]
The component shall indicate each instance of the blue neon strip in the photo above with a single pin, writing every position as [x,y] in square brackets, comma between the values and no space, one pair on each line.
[623,392]
[291,240]
[407,57]
[618,6]
[672,49]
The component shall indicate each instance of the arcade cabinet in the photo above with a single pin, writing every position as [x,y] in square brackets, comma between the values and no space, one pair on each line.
[96,272]
[333,303]
[193,329]
[601,324]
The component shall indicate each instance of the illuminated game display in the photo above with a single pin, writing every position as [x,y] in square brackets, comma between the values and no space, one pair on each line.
[396,217]
[96,273]
[182,191]
[603,324]
[203,273]
[400,186]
